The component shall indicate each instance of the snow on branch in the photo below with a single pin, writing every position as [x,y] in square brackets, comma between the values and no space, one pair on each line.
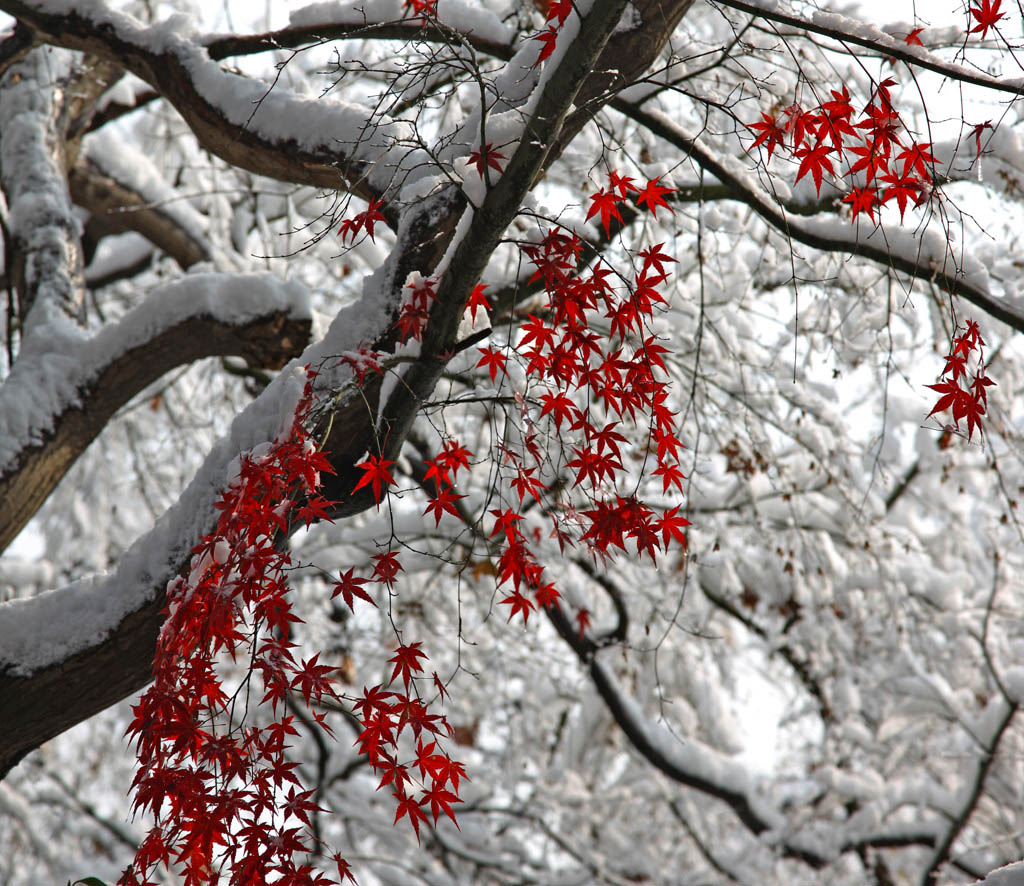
[250,123]
[846,30]
[46,269]
[124,191]
[387,20]
[55,402]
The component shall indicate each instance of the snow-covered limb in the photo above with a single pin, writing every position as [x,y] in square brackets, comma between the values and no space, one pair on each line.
[54,403]
[846,30]
[122,189]
[266,130]
[47,262]
[323,21]
[53,645]
[925,258]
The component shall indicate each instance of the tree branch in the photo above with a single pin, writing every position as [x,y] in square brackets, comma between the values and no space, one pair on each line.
[109,370]
[46,269]
[832,25]
[116,208]
[932,269]
[265,130]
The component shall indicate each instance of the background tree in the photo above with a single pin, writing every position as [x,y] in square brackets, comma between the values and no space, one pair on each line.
[792,217]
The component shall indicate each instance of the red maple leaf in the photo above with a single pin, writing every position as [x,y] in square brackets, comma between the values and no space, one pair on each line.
[605,202]
[583,620]
[862,200]
[670,475]
[772,134]
[408,806]
[912,38]
[957,364]
[406,662]
[455,456]
[505,523]
[977,131]
[986,15]
[621,184]
[477,300]
[374,701]
[494,360]
[549,39]
[386,568]
[312,679]
[560,406]
[440,800]
[376,475]
[652,196]
[916,159]
[350,587]
[904,188]
[441,503]
[671,526]
[365,219]
[442,690]
[981,381]
[814,160]
[558,10]
[518,604]
[485,157]
[654,256]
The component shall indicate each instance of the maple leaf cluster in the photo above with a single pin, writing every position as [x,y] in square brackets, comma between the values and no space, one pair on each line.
[591,337]
[556,13]
[966,402]
[419,293]
[366,219]
[225,797]
[606,201]
[442,471]
[873,150]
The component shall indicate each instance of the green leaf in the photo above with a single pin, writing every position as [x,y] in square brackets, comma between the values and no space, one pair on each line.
[88,881]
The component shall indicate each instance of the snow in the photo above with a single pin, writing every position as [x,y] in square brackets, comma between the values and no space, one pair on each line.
[116,253]
[1008,875]
[466,18]
[127,165]
[316,124]
[1013,681]
[43,382]
[691,756]
[39,208]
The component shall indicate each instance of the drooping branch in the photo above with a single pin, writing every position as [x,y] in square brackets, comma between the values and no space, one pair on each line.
[973,795]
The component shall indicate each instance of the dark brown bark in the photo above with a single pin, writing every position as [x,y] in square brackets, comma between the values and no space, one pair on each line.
[33,709]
